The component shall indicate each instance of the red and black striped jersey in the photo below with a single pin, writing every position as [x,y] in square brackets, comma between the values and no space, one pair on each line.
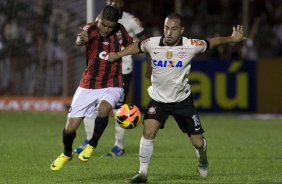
[100,73]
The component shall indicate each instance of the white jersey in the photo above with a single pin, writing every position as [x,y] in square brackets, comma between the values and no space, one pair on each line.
[170,65]
[133,27]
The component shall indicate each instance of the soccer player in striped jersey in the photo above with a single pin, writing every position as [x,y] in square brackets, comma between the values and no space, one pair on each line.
[101,85]
[136,31]
[170,91]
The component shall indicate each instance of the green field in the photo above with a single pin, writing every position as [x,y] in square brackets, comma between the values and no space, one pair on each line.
[240,151]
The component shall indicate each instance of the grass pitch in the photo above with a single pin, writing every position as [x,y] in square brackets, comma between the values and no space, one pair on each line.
[240,151]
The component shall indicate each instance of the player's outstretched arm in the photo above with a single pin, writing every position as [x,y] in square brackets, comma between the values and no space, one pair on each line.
[237,36]
[133,48]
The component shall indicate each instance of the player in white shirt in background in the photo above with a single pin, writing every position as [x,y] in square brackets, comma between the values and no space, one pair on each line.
[170,90]
[135,30]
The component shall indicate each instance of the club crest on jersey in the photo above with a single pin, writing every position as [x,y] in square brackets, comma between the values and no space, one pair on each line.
[182,54]
[106,43]
[169,54]
[167,63]
[118,33]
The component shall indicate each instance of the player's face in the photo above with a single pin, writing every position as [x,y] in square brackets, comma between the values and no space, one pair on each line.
[105,27]
[172,31]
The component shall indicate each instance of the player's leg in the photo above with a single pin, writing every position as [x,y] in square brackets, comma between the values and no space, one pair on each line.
[118,148]
[69,133]
[154,119]
[200,144]
[89,123]
[82,105]
[101,122]
[107,101]
[188,121]
[150,130]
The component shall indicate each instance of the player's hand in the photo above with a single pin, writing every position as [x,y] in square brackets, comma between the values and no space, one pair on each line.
[238,33]
[82,37]
[113,56]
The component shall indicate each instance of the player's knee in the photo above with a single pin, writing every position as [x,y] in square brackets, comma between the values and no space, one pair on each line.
[197,141]
[72,124]
[70,129]
[103,109]
[151,128]
[149,134]
[102,112]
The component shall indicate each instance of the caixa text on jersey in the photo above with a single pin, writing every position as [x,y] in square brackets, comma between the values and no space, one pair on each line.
[168,63]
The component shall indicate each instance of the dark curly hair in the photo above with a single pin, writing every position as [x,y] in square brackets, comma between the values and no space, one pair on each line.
[109,13]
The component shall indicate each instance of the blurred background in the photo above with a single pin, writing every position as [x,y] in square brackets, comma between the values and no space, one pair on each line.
[40,65]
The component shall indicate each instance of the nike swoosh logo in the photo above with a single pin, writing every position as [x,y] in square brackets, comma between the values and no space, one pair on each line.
[85,157]
[53,165]
[197,129]
[132,114]
[156,52]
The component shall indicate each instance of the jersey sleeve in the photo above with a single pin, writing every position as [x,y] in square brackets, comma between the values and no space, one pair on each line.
[145,45]
[200,46]
[127,39]
[136,26]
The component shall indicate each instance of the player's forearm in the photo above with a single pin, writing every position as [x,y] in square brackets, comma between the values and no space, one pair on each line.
[130,49]
[237,36]
[214,42]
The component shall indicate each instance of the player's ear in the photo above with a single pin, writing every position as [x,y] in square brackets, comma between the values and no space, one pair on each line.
[182,30]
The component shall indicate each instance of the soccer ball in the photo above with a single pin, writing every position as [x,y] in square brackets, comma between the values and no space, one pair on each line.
[128,116]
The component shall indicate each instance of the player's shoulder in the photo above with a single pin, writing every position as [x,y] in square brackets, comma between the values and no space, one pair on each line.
[193,42]
[152,40]
[128,16]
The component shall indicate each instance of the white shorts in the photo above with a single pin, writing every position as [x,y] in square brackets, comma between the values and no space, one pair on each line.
[84,101]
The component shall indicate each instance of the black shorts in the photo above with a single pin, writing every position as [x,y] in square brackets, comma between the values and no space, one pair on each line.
[184,113]
[126,84]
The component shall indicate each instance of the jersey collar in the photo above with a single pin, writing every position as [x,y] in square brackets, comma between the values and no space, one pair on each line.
[180,43]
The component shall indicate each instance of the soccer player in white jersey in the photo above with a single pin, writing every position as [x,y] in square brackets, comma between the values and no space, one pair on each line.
[170,90]
[135,30]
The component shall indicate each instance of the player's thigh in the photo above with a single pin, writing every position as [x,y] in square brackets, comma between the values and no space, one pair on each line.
[104,108]
[156,111]
[190,125]
[187,117]
[83,103]
[108,100]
